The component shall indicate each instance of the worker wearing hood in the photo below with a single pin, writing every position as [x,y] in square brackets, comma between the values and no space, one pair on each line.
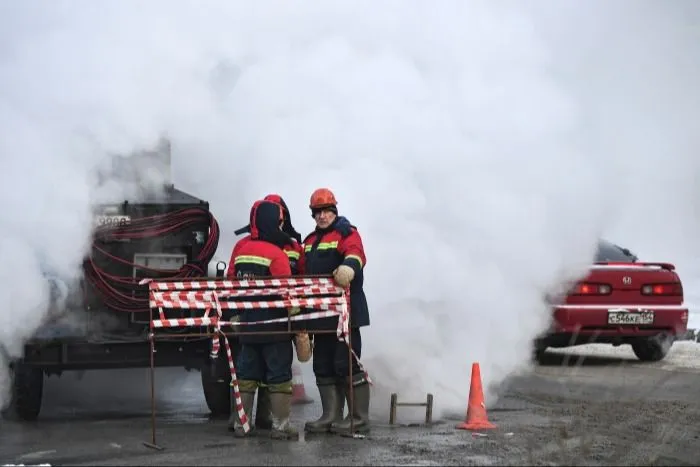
[287,226]
[264,358]
[293,250]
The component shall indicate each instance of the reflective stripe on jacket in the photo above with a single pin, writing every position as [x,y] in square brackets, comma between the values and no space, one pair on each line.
[325,250]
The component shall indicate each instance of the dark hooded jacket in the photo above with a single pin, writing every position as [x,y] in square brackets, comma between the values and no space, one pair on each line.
[287,227]
[258,255]
[293,247]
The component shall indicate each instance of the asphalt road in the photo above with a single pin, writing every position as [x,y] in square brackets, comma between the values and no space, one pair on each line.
[590,405]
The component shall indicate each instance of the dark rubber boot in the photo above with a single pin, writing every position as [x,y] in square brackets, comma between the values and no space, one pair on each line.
[332,402]
[360,413]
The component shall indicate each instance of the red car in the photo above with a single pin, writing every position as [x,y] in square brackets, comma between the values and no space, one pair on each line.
[621,301]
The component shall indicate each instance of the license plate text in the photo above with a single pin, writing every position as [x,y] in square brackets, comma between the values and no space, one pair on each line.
[631,317]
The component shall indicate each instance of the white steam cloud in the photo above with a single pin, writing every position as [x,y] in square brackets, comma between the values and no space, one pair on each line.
[480,148]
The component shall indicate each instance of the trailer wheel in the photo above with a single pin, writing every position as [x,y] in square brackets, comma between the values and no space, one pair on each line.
[216,386]
[652,349]
[27,392]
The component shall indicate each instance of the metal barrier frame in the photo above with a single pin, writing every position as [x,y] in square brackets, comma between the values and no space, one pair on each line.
[212,333]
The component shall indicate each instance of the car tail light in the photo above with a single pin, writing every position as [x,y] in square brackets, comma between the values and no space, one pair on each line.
[588,288]
[669,288]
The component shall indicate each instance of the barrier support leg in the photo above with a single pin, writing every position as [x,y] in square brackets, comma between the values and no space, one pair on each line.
[153,444]
[351,387]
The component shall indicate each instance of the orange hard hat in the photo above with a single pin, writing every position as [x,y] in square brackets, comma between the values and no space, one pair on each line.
[322,198]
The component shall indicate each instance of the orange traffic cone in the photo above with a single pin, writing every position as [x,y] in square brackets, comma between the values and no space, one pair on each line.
[298,391]
[476,408]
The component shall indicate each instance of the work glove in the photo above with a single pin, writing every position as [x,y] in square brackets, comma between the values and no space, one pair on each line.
[343,275]
[342,225]
[303,346]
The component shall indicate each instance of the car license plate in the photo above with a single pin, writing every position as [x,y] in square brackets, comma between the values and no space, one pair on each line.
[630,317]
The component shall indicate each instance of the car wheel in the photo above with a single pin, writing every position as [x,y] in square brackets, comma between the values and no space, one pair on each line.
[538,353]
[652,349]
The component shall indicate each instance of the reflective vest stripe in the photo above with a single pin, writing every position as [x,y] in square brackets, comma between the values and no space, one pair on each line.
[292,254]
[322,246]
[249,259]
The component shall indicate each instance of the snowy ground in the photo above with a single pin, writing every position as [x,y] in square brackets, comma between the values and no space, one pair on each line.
[684,355]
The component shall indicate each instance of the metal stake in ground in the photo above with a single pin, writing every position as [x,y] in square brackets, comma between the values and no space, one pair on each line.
[428,404]
[153,444]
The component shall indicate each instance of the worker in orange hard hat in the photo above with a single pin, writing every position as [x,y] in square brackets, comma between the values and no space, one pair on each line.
[323,198]
[331,249]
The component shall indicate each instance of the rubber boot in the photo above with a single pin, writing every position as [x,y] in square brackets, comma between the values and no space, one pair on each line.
[360,412]
[332,402]
[263,417]
[281,407]
[247,398]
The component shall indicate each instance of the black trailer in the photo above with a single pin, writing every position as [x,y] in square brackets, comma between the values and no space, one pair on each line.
[170,235]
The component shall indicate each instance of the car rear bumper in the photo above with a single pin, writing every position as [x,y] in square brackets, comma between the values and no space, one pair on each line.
[592,320]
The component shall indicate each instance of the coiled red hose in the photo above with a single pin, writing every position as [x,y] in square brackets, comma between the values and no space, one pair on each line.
[123,293]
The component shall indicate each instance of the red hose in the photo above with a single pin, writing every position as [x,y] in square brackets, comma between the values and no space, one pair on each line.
[123,293]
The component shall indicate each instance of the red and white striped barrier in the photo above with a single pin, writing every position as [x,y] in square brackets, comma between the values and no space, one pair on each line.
[180,295]
[239,283]
[219,295]
[227,305]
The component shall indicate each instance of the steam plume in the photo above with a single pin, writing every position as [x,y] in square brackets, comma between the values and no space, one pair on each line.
[480,147]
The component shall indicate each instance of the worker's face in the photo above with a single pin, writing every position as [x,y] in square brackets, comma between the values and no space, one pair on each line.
[324,218]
